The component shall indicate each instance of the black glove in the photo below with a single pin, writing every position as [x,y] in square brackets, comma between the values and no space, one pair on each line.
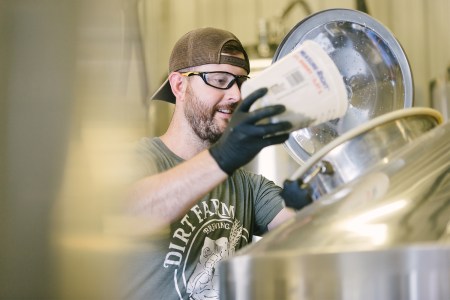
[244,138]
[294,195]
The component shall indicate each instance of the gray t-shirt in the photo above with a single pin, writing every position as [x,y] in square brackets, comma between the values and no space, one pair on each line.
[184,264]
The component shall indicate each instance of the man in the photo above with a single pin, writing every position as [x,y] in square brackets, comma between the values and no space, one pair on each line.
[193,181]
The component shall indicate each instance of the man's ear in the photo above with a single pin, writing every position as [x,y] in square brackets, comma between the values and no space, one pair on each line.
[177,84]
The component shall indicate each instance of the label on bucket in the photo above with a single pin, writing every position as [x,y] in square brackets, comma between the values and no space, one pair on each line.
[307,82]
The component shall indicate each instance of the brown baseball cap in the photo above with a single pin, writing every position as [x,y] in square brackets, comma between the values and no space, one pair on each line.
[200,47]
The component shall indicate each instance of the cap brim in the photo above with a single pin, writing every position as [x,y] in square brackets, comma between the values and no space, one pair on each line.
[164,93]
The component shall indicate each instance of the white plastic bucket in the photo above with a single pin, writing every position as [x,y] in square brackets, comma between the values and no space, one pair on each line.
[307,82]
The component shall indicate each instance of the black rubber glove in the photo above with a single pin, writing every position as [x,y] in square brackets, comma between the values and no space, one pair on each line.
[294,195]
[243,139]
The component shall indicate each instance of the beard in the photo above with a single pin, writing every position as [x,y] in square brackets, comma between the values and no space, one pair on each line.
[201,118]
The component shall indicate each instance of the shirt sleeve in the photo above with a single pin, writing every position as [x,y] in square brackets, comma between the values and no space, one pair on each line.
[267,200]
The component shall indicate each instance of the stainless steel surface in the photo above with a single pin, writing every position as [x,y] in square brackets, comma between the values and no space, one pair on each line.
[355,152]
[421,273]
[372,62]
[384,236]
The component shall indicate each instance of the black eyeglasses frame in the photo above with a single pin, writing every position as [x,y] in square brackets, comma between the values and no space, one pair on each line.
[239,79]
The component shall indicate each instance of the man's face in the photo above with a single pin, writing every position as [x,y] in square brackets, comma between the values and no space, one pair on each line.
[208,109]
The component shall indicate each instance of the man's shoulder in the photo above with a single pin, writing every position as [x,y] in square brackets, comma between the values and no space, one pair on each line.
[245,174]
[151,146]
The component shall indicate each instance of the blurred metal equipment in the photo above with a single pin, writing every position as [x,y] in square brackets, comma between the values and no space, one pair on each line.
[372,62]
[294,3]
[361,5]
[37,46]
[440,94]
[70,105]
[384,236]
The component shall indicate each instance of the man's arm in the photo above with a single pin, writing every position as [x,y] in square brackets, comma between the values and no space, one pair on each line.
[168,195]
[284,214]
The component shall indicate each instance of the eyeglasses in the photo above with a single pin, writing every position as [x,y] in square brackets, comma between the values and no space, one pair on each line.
[219,80]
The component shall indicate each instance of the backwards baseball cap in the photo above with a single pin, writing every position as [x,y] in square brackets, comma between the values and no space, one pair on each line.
[200,47]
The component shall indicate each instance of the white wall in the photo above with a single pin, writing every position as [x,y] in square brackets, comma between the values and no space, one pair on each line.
[422,28]
[419,25]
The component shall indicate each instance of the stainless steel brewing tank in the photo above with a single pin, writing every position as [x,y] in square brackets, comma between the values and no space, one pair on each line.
[385,235]
[373,65]
[420,272]
[356,151]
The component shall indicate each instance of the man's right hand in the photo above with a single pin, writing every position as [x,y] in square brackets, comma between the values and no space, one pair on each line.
[244,138]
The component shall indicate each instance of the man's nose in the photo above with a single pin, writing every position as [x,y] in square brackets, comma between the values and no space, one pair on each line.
[234,92]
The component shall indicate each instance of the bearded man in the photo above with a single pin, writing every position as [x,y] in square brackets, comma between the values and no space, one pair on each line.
[192,182]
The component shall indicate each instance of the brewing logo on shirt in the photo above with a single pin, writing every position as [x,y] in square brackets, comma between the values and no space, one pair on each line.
[206,235]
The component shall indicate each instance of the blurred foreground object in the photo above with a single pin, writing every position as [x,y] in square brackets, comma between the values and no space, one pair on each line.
[71,104]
